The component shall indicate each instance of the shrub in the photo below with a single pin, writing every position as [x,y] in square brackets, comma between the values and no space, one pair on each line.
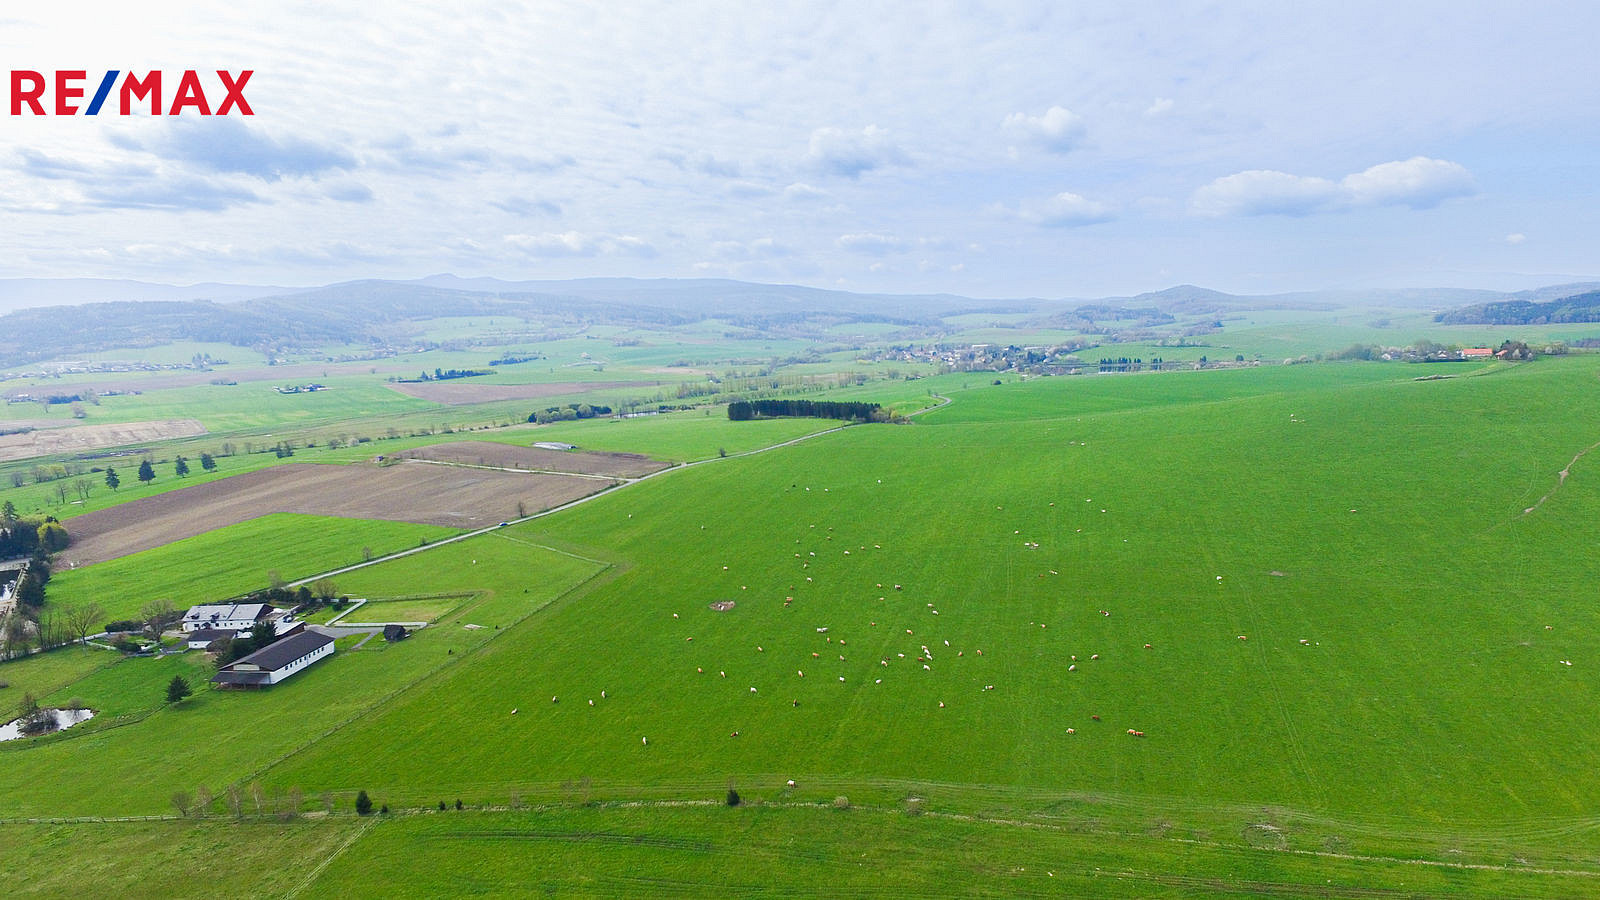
[124,625]
[841,802]
[363,804]
[733,797]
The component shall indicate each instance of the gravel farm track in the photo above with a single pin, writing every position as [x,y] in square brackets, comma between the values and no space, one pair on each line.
[453,496]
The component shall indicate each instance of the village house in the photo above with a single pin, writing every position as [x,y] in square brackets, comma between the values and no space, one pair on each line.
[276,662]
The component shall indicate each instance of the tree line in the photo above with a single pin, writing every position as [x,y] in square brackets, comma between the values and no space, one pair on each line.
[848,410]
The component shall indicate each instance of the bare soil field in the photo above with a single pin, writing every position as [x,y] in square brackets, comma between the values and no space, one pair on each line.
[461,391]
[76,438]
[511,456]
[408,492]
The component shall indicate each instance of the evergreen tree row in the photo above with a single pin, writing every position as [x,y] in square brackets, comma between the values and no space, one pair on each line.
[744,410]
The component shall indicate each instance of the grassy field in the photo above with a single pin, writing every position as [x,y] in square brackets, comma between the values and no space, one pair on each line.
[1346,613]
[166,859]
[242,733]
[230,561]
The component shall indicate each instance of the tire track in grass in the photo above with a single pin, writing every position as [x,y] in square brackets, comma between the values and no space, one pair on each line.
[1561,479]
[1300,759]
[317,870]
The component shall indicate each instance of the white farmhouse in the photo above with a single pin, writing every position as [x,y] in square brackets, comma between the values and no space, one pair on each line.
[225,616]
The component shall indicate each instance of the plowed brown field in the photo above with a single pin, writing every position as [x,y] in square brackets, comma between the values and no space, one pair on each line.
[75,438]
[409,492]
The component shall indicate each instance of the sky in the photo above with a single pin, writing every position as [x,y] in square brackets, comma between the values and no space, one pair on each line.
[1051,149]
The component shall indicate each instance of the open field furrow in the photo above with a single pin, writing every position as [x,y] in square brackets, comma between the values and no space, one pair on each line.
[437,495]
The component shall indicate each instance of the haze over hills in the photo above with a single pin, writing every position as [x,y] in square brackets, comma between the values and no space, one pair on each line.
[375,313]
[25,293]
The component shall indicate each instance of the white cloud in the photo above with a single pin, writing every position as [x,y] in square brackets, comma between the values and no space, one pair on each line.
[871,244]
[1515,238]
[834,151]
[1160,107]
[1059,130]
[802,191]
[1260,192]
[1065,210]
[1419,182]
[573,243]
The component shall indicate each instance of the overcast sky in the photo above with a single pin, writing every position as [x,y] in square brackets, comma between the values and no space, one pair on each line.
[1050,149]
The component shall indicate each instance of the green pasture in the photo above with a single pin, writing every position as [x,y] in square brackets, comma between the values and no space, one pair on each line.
[228,737]
[231,561]
[678,436]
[1407,658]
[43,674]
[166,859]
[813,849]
[408,609]
[1271,631]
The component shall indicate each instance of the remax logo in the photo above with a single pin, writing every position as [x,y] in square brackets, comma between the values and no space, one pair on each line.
[28,90]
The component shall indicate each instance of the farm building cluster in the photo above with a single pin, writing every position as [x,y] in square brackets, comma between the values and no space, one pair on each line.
[293,648]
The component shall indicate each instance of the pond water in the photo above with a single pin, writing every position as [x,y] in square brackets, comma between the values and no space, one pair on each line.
[64,718]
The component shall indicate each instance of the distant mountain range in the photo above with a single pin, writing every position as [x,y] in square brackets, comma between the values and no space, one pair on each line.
[105,314]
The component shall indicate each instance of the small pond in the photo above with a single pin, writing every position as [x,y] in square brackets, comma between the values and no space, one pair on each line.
[63,718]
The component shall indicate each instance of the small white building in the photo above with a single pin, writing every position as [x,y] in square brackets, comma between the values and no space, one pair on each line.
[276,662]
[225,616]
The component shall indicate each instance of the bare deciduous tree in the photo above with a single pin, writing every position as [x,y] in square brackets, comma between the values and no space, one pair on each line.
[80,620]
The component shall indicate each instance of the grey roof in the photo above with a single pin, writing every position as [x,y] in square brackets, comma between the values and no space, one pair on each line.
[278,654]
[210,634]
[226,611]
